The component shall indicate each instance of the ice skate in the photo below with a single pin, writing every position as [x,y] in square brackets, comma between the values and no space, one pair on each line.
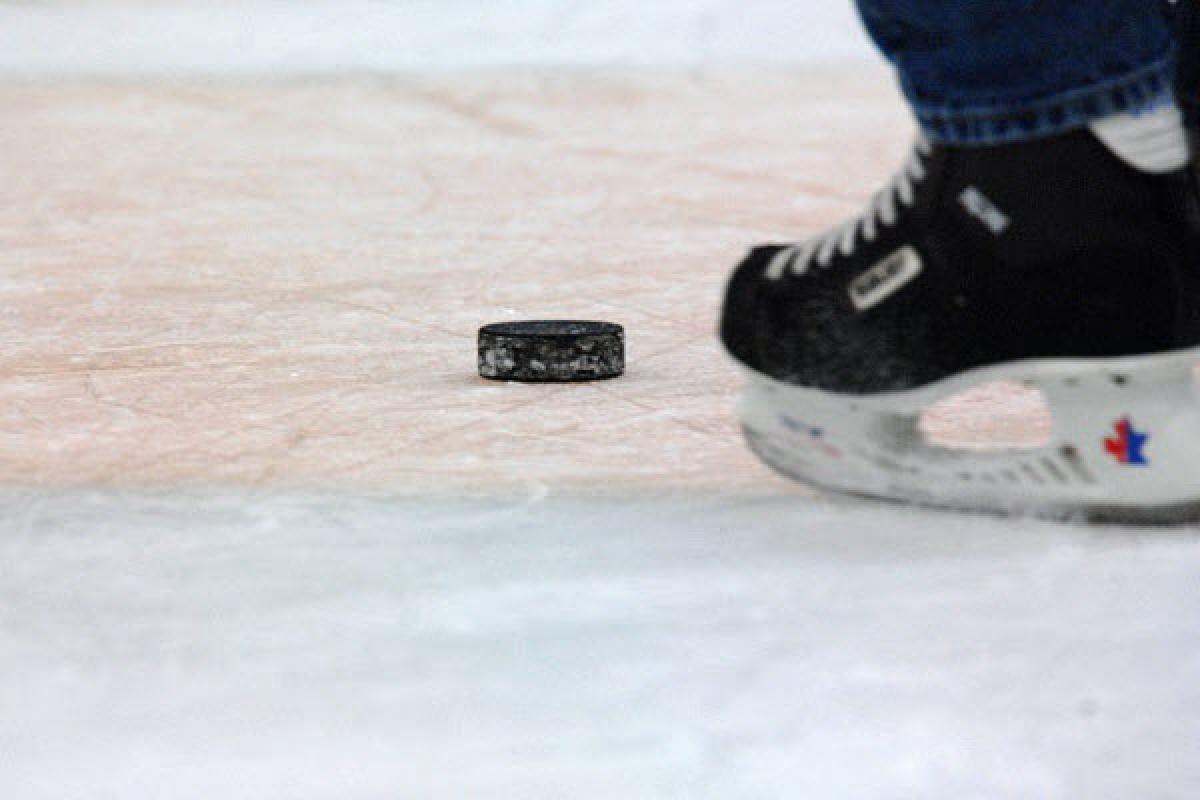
[1067,265]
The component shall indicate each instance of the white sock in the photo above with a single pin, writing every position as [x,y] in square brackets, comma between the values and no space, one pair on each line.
[1152,141]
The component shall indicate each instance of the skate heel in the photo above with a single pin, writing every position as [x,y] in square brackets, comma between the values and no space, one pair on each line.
[1122,441]
[1132,427]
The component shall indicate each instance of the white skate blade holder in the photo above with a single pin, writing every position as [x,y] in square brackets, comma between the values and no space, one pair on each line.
[1124,443]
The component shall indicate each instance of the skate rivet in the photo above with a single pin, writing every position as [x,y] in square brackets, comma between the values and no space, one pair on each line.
[1072,382]
[1120,380]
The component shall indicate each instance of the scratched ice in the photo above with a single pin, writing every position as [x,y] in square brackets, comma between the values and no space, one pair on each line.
[687,626]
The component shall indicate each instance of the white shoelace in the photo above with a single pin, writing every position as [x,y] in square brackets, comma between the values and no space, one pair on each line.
[881,211]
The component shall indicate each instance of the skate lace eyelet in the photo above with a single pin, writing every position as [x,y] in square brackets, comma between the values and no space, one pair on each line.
[881,212]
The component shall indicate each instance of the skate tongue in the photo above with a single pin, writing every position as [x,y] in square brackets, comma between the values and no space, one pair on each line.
[1152,141]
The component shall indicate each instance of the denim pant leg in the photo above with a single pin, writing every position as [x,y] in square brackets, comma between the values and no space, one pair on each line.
[987,71]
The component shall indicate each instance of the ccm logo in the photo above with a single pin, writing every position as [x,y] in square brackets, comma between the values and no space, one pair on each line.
[885,279]
[979,206]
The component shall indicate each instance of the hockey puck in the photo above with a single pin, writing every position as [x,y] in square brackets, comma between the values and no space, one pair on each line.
[551,351]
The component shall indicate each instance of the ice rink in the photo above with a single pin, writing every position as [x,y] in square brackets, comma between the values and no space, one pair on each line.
[263,533]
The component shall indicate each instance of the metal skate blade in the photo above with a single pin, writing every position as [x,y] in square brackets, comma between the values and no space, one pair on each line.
[1118,440]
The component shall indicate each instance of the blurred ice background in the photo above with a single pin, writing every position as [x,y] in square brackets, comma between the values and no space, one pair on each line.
[128,37]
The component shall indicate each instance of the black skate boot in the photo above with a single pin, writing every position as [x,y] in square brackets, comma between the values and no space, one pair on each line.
[1185,20]
[1070,265]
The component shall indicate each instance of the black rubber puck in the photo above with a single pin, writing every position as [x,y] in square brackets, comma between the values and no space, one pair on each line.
[551,351]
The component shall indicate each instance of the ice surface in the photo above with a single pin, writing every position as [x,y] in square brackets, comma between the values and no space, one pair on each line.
[231,284]
[264,37]
[251,646]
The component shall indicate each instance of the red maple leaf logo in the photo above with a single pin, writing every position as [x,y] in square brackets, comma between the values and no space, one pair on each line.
[1118,446]
[1128,444]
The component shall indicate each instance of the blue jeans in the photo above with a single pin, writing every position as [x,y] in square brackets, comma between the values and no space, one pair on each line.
[988,71]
